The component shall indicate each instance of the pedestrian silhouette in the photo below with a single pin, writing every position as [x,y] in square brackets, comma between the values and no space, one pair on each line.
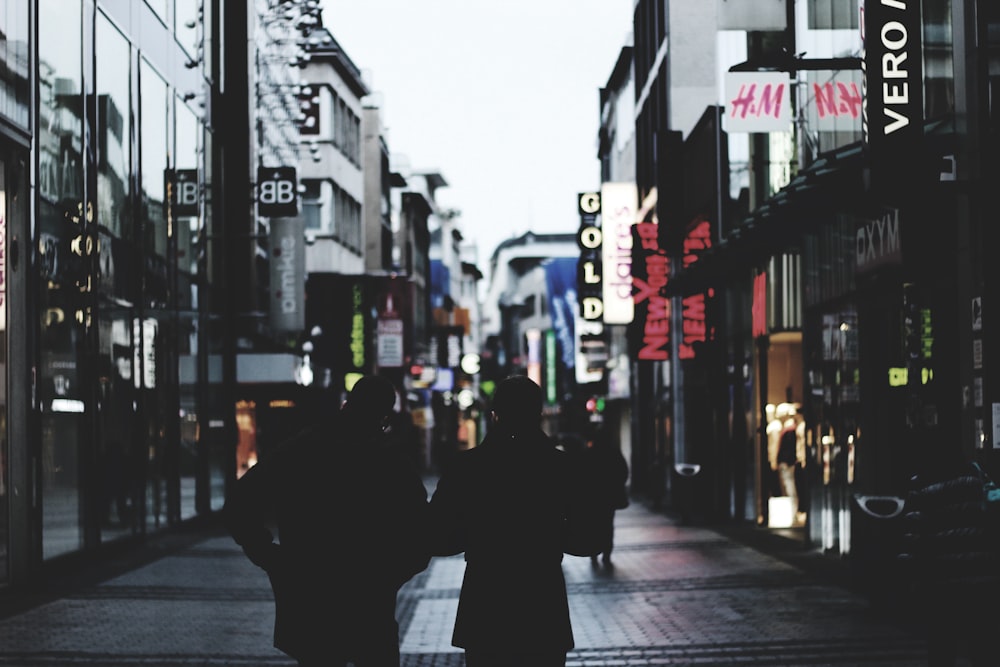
[605,473]
[950,550]
[511,504]
[349,512]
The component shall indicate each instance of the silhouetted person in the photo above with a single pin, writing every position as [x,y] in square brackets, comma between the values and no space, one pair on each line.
[349,512]
[605,474]
[951,550]
[506,504]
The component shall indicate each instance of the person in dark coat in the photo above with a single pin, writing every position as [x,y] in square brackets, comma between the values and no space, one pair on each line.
[350,513]
[507,504]
[605,476]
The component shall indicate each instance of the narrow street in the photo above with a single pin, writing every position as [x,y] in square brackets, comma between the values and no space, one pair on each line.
[677,595]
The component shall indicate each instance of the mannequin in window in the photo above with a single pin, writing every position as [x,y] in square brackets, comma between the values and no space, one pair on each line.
[787,458]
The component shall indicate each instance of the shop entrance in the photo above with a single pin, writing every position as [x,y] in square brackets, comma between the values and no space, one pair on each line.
[783,501]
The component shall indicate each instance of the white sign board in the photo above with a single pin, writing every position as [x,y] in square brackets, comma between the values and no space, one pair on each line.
[757,102]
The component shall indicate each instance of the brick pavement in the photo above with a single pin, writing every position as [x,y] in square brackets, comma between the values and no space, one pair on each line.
[678,595]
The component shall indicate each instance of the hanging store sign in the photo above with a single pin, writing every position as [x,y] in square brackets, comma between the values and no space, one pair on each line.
[185,189]
[588,272]
[560,282]
[650,329]
[288,282]
[619,204]
[834,102]
[892,89]
[757,102]
[277,192]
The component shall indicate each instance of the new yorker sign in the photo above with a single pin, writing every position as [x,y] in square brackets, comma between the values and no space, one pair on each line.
[892,90]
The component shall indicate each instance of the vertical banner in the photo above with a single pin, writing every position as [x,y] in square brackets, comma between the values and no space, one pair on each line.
[892,91]
[288,282]
[393,307]
[619,204]
[588,272]
[560,279]
[3,259]
[650,272]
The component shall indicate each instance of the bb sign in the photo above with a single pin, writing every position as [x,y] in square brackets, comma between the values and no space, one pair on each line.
[277,192]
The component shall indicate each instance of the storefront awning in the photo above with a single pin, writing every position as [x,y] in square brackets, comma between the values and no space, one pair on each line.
[833,181]
[836,181]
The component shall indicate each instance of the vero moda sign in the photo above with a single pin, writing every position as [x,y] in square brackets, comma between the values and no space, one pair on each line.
[892,91]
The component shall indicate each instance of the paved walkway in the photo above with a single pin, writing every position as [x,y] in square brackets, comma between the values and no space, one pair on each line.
[678,595]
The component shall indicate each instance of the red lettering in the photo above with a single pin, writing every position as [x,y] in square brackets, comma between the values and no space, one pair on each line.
[846,101]
[653,349]
[642,290]
[743,102]
[694,307]
[659,309]
[850,99]
[769,101]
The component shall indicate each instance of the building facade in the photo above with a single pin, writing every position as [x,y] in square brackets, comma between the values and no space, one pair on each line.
[842,278]
[168,198]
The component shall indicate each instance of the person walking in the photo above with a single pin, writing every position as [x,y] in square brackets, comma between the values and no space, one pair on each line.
[349,512]
[606,474]
[511,504]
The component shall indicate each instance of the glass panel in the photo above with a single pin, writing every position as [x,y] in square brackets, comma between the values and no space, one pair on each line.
[119,447]
[151,328]
[939,74]
[312,207]
[4,440]
[61,271]
[188,228]
[113,130]
[160,7]
[14,84]
[833,14]
[211,436]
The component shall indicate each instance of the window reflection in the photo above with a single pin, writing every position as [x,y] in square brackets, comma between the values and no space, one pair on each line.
[119,448]
[188,228]
[62,272]
[4,442]
[152,331]
[14,64]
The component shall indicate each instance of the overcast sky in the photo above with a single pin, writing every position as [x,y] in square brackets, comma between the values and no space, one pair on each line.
[502,98]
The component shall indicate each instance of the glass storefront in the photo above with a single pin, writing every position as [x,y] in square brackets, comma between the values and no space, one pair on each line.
[120,373]
[4,440]
[118,440]
[61,297]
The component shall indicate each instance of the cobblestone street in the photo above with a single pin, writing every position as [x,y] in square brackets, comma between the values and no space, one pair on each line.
[677,595]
